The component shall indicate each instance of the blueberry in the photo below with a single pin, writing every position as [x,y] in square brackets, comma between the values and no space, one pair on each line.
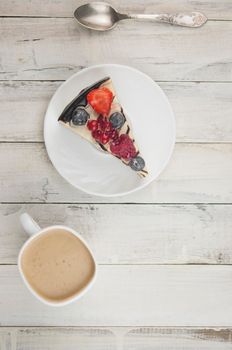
[80,116]
[137,163]
[117,120]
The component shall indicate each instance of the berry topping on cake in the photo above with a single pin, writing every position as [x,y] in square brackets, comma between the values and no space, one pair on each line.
[114,134]
[123,147]
[105,138]
[80,116]
[92,124]
[97,135]
[100,99]
[117,120]
[137,163]
[97,115]
[104,124]
[102,130]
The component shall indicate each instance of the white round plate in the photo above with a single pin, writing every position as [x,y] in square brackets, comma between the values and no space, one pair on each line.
[153,124]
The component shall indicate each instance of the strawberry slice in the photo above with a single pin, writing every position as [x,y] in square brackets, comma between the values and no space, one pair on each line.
[100,99]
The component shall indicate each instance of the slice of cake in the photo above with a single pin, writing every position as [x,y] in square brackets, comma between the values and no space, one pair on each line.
[96,115]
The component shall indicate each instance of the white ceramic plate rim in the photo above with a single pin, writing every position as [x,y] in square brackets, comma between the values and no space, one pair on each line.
[85,70]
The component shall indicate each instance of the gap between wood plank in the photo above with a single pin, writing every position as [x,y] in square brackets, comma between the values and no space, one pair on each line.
[121,203]
[217,328]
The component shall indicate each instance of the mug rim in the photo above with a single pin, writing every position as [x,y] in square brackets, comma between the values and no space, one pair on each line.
[76,296]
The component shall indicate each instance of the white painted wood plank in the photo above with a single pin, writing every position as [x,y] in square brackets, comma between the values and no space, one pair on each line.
[131,234]
[60,338]
[112,338]
[214,9]
[53,49]
[22,109]
[203,110]
[197,173]
[145,295]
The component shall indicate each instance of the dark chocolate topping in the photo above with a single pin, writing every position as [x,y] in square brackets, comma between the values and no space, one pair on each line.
[102,147]
[79,100]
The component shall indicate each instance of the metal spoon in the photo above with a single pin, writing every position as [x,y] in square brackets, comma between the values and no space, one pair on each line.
[102,16]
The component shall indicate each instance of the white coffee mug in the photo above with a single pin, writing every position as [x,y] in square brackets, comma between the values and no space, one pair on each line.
[33,230]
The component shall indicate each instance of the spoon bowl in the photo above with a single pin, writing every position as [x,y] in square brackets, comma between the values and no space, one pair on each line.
[97,16]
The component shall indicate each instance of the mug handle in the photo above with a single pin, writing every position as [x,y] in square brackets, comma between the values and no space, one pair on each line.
[29,225]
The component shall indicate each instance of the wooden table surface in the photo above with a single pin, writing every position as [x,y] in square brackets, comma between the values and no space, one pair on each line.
[164,253]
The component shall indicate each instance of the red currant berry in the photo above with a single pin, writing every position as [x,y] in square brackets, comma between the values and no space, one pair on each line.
[104,125]
[105,138]
[97,134]
[114,134]
[100,121]
[108,126]
[92,125]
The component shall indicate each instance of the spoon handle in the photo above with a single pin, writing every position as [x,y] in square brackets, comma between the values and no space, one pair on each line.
[192,19]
